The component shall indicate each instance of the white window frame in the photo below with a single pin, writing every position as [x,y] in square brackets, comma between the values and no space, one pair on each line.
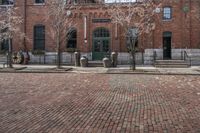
[39,3]
[8,5]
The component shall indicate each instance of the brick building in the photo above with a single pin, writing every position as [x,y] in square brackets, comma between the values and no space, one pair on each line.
[94,35]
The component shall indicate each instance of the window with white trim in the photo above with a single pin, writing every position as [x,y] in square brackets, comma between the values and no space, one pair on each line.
[39,1]
[4,45]
[167,13]
[6,2]
[39,37]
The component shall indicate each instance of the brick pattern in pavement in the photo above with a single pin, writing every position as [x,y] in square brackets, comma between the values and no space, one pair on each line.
[97,103]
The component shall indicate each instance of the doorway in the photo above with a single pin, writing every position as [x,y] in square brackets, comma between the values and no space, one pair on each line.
[101,43]
[167,37]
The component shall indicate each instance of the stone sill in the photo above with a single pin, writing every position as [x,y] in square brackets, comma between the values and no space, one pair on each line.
[4,6]
[39,4]
[168,20]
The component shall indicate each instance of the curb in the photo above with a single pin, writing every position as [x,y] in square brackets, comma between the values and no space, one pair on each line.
[37,71]
[133,73]
[137,73]
[30,72]
[71,70]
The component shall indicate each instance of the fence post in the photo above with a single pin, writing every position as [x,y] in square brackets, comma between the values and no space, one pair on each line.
[7,59]
[142,58]
[181,55]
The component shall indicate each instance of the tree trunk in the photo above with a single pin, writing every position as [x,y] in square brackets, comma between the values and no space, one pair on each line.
[58,60]
[132,52]
[133,67]
[10,54]
[58,55]
[58,51]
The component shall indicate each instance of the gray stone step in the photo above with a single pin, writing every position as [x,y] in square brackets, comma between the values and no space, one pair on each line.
[170,60]
[95,64]
[171,64]
[3,58]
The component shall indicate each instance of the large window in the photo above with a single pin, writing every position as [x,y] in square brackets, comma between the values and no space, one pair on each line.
[72,38]
[6,2]
[101,40]
[167,13]
[131,36]
[122,1]
[4,45]
[39,1]
[101,32]
[70,1]
[39,37]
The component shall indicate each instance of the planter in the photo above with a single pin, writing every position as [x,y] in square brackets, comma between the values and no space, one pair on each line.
[106,62]
[18,58]
[84,62]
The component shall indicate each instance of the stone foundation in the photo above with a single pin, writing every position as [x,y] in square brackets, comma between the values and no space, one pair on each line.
[177,54]
[51,58]
[123,58]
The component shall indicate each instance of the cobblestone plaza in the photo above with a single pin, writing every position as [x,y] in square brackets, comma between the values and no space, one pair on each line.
[99,103]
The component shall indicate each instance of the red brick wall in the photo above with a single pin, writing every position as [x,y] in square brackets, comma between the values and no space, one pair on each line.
[184,27]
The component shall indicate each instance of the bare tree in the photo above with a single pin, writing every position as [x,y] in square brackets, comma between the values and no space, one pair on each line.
[60,20]
[10,23]
[135,17]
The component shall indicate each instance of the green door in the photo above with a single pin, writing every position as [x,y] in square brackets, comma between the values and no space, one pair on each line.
[101,41]
[100,48]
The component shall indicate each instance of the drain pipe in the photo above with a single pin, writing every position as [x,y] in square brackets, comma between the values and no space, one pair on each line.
[25,15]
[190,24]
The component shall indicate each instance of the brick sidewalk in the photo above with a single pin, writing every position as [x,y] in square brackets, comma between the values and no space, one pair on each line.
[195,70]
[92,103]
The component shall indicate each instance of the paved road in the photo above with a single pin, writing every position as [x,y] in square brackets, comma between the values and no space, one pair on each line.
[99,103]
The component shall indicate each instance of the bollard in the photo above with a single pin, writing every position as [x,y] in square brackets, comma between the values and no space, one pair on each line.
[77,56]
[84,62]
[114,56]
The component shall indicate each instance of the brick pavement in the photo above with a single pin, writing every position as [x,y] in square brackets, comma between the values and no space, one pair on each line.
[98,103]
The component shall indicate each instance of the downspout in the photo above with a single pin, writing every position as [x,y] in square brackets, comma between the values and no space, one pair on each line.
[190,25]
[25,15]
[181,26]
[153,39]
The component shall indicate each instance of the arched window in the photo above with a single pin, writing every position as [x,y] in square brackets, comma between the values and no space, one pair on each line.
[39,37]
[167,34]
[39,1]
[72,38]
[6,2]
[132,35]
[70,1]
[167,13]
[5,45]
[101,32]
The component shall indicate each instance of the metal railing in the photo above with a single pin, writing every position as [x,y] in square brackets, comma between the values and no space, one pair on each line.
[154,57]
[186,57]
